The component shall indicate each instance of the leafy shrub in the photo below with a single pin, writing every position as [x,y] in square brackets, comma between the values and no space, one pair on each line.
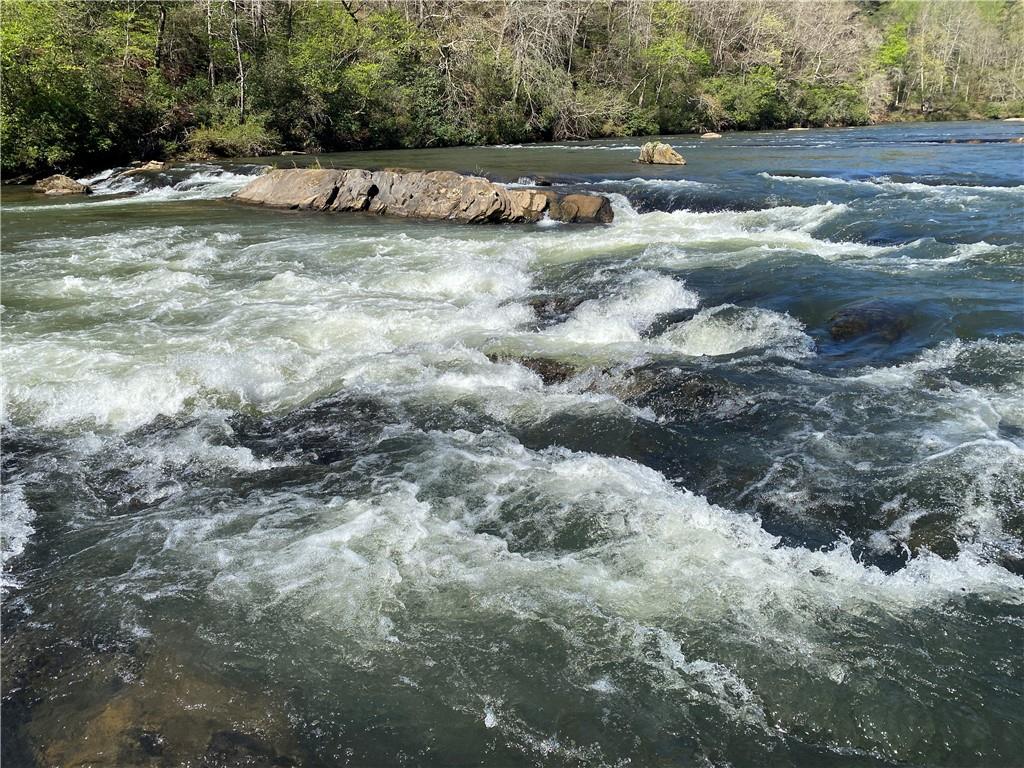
[752,100]
[829,105]
[249,139]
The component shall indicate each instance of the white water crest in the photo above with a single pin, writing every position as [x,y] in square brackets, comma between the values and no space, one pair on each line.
[16,518]
[727,329]
[652,549]
[885,184]
[114,190]
[377,307]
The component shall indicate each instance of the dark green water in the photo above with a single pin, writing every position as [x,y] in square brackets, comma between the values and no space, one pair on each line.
[288,489]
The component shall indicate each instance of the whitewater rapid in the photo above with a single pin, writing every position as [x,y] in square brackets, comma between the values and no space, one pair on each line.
[488,476]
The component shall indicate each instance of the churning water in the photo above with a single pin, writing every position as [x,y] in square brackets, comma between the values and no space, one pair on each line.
[303,489]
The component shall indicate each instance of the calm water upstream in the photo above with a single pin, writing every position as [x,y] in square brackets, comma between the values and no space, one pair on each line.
[286,488]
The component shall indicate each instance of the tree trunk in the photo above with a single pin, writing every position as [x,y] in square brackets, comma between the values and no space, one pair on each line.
[158,54]
[237,40]
[209,43]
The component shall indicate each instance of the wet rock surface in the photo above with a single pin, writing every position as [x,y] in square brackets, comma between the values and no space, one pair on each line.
[443,195]
[157,713]
[553,309]
[673,393]
[550,371]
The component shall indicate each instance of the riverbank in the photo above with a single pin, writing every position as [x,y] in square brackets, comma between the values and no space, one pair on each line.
[291,157]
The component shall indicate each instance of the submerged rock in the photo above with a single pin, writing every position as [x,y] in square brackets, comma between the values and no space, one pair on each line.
[661,154]
[165,714]
[555,308]
[676,394]
[442,195]
[550,371]
[59,184]
[885,318]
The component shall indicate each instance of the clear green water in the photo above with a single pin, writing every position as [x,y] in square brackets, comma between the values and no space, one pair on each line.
[279,488]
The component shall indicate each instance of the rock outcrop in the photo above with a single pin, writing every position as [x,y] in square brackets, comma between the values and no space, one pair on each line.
[661,154]
[441,195]
[58,184]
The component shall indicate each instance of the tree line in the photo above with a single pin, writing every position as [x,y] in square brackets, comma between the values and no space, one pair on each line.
[88,84]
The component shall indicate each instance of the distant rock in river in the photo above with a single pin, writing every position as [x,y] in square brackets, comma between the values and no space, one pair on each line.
[152,166]
[419,194]
[661,154]
[59,184]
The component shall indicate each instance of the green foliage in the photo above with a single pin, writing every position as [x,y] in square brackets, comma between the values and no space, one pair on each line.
[1000,110]
[894,50]
[249,139]
[753,100]
[91,84]
[831,105]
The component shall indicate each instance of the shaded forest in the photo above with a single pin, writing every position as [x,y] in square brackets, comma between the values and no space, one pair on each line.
[91,84]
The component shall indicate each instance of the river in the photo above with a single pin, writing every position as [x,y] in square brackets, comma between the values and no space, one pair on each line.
[287,488]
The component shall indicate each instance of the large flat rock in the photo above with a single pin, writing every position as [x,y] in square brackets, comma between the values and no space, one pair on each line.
[442,195]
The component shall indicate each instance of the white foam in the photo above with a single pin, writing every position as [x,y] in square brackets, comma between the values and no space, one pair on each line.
[727,329]
[655,183]
[653,550]
[736,237]
[621,318]
[15,530]
[885,184]
[202,185]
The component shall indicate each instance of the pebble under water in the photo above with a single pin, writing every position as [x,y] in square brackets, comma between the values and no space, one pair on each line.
[286,488]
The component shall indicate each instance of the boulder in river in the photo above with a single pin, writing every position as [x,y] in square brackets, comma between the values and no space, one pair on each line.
[150,167]
[59,184]
[444,195]
[711,135]
[886,318]
[660,154]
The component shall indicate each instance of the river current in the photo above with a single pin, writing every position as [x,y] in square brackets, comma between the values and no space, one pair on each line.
[286,488]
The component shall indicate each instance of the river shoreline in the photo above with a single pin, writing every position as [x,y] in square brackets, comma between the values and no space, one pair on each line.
[80,169]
